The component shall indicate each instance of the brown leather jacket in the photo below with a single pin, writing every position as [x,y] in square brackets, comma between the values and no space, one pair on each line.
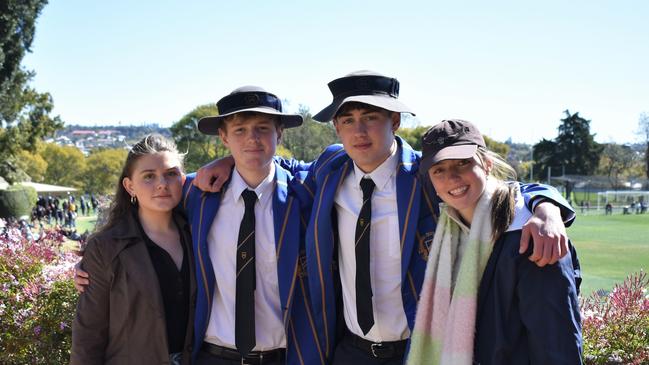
[120,316]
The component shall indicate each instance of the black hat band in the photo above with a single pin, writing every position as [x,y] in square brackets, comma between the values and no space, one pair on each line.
[364,85]
[247,100]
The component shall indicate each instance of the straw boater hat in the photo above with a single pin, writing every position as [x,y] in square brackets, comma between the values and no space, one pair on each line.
[365,87]
[248,99]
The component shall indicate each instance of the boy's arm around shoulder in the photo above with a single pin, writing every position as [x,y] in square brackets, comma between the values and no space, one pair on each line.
[189,192]
[295,166]
[535,194]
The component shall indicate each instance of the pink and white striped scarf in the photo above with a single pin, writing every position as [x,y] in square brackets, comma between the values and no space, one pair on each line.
[446,314]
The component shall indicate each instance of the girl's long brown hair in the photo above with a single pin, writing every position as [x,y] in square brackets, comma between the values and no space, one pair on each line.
[121,206]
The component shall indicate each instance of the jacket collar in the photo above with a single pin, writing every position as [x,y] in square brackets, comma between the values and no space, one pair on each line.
[409,158]
[127,228]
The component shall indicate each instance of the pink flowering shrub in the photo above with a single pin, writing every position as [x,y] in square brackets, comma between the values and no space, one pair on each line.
[616,327]
[37,299]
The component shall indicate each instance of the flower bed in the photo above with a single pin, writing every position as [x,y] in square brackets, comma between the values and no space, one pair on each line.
[37,299]
[616,326]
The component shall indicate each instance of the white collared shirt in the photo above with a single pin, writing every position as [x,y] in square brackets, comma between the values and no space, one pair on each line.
[222,246]
[390,322]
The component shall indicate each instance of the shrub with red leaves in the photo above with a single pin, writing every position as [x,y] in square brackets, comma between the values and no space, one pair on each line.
[616,326]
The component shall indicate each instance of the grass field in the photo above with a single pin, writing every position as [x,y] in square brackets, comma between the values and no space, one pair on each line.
[86,223]
[610,248]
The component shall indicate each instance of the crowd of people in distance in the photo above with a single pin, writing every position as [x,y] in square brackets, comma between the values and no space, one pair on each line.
[63,211]
[57,212]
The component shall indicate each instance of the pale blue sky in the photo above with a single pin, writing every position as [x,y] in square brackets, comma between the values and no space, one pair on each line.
[511,67]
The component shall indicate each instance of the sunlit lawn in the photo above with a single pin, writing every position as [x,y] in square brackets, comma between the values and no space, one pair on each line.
[86,223]
[610,248]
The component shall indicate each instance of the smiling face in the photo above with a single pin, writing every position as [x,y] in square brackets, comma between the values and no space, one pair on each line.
[252,139]
[460,183]
[367,135]
[156,182]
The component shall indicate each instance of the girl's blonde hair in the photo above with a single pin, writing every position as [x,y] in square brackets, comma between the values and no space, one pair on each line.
[503,201]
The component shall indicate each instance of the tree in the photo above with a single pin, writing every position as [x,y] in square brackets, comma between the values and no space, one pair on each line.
[413,135]
[103,170]
[200,148]
[643,131]
[24,112]
[307,141]
[573,152]
[33,164]
[65,165]
[616,162]
[500,148]
[17,28]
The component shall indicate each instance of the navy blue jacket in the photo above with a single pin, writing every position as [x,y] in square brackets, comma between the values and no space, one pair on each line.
[527,314]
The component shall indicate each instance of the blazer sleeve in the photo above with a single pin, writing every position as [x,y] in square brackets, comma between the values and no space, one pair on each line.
[549,310]
[90,325]
[537,193]
[292,165]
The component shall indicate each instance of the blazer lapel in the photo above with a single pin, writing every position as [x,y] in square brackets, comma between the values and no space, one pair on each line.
[134,256]
[209,205]
[488,275]
[137,263]
[287,239]
[408,195]
[320,248]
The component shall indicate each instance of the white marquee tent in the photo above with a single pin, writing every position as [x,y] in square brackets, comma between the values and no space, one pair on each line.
[40,188]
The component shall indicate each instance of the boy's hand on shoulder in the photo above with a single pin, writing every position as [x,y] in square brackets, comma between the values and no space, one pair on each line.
[548,233]
[80,278]
[212,176]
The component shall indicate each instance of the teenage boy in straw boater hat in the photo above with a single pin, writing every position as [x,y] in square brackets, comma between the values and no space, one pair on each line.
[371,224]
[251,303]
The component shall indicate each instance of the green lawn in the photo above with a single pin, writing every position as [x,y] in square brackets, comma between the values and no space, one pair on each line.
[610,248]
[86,223]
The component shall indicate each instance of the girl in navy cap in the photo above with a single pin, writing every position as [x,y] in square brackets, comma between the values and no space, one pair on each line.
[481,301]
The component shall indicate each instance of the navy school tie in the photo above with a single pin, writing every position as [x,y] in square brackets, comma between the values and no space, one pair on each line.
[364,310]
[244,336]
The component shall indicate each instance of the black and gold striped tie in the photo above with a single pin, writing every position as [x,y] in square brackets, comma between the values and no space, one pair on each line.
[364,310]
[244,336]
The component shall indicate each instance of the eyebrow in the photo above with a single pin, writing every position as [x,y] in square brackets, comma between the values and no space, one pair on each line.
[363,112]
[153,170]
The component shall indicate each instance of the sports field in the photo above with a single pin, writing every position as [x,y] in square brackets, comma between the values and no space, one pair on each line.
[610,248]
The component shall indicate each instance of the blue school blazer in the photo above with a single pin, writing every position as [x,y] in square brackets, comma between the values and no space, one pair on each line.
[528,314]
[417,217]
[417,205]
[303,345]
